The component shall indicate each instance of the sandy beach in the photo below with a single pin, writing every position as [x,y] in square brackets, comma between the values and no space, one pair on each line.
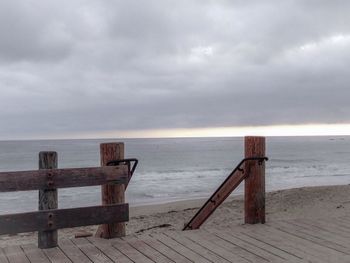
[307,202]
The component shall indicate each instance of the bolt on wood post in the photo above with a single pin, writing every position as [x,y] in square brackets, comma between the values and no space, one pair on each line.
[47,200]
[111,193]
[254,194]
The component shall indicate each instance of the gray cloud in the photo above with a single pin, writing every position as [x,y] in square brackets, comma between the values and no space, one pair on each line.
[87,66]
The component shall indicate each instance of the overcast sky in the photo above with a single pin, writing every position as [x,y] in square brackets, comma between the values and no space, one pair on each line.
[70,67]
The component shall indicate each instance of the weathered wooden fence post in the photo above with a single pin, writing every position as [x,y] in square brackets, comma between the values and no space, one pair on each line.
[254,195]
[47,200]
[112,194]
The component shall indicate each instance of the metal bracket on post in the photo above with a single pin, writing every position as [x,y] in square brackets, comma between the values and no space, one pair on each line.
[260,160]
[128,163]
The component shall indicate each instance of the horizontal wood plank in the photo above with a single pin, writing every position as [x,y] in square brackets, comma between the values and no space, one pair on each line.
[62,178]
[63,218]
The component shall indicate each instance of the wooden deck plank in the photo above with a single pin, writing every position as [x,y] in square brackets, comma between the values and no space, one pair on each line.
[311,236]
[324,233]
[343,220]
[56,255]
[232,257]
[248,246]
[328,226]
[130,251]
[3,258]
[188,253]
[92,252]
[165,250]
[195,247]
[148,251]
[319,251]
[62,178]
[300,240]
[309,248]
[340,222]
[332,225]
[81,216]
[15,254]
[284,244]
[72,251]
[230,247]
[106,247]
[34,254]
[279,253]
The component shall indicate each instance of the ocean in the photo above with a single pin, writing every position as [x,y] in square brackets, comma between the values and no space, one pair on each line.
[181,168]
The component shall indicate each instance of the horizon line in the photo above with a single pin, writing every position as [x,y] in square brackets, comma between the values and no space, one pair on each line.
[298,130]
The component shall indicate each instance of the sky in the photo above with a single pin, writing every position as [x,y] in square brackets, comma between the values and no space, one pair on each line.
[143,68]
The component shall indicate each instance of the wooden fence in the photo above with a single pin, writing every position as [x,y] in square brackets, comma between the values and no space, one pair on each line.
[114,212]
[48,179]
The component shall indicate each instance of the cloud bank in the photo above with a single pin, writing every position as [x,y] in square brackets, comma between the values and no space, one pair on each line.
[95,66]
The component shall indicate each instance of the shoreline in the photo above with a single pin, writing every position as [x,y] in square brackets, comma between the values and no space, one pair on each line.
[306,202]
[233,195]
[196,201]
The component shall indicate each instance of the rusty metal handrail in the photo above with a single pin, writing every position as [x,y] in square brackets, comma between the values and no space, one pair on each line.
[210,200]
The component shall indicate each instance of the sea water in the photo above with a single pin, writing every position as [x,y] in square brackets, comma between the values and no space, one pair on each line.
[181,168]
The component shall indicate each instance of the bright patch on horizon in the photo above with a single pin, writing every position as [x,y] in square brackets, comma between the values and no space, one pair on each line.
[273,130]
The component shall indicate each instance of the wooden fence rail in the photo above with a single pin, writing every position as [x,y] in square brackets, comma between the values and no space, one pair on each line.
[62,178]
[47,180]
[48,220]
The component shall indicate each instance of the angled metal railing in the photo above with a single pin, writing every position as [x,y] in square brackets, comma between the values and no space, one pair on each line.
[225,189]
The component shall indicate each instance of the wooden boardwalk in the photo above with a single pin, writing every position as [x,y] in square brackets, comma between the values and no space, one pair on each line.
[302,240]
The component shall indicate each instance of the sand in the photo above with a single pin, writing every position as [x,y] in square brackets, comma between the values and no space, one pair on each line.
[307,202]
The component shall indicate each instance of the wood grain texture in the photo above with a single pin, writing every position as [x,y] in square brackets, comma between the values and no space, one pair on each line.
[148,251]
[50,220]
[47,200]
[3,258]
[56,255]
[105,246]
[15,254]
[296,241]
[34,254]
[196,248]
[130,252]
[254,194]
[112,194]
[210,245]
[180,248]
[165,250]
[73,252]
[62,178]
[91,251]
